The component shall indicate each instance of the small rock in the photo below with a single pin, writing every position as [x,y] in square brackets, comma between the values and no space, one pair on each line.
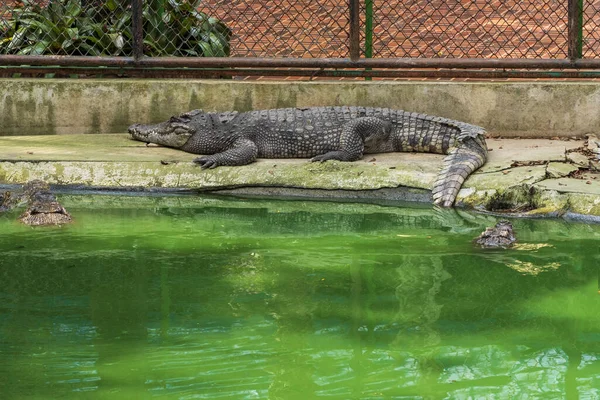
[593,143]
[578,159]
[559,170]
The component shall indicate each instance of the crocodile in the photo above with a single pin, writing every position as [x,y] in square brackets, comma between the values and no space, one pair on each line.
[501,235]
[323,133]
[42,206]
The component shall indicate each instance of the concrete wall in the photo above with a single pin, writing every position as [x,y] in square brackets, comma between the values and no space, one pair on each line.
[527,109]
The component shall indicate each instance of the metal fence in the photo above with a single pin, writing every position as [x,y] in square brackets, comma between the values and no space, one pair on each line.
[381,38]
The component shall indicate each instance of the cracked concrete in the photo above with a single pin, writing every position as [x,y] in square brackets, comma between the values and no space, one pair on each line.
[526,177]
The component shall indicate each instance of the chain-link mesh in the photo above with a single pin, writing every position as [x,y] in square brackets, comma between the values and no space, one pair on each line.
[590,35]
[470,29]
[413,28]
[299,29]
[284,28]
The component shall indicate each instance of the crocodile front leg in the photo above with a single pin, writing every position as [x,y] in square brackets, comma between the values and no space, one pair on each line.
[353,137]
[241,152]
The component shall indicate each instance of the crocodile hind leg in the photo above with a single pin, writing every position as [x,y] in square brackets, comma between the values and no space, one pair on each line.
[460,162]
[354,136]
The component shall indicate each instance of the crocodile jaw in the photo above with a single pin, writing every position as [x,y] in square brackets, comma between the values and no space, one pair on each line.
[166,133]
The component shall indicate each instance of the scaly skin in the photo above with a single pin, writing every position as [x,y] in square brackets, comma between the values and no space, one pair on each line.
[501,235]
[324,133]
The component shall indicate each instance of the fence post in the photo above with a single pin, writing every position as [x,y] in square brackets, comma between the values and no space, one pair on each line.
[354,30]
[368,28]
[368,33]
[137,27]
[575,29]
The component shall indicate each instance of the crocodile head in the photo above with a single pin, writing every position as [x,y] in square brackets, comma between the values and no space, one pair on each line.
[173,133]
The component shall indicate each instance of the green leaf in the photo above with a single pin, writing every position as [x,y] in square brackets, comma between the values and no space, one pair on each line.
[206,49]
[36,49]
[66,44]
[17,40]
[217,45]
[112,5]
[56,10]
[124,21]
[117,40]
[5,41]
[73,33]
[90,50]
[73,10]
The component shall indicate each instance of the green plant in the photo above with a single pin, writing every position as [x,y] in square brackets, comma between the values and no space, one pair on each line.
[54,29]
[176,27]
[68,27]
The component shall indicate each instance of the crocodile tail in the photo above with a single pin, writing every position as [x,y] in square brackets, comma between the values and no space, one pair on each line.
[469,154]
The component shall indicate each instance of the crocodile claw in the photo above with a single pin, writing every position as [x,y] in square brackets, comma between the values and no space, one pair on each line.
[319,158]
[206,162]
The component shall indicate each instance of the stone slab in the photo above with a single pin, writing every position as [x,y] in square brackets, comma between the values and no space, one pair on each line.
[504,152]
[571,185]
[560,169]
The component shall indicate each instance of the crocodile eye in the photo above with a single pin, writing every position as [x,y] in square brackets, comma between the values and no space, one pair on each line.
[190,114]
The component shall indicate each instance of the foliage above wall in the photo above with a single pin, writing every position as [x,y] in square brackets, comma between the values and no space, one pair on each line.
[104,28]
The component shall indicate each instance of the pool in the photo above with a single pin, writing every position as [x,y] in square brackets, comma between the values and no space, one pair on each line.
[205,297]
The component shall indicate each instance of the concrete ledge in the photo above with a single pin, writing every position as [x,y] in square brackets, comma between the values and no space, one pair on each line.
[526,177]
[524,109]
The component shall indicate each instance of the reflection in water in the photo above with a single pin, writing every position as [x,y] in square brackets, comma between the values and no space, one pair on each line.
[286,300]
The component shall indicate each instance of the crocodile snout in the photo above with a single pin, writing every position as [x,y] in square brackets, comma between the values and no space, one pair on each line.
[137,131]
[134,129]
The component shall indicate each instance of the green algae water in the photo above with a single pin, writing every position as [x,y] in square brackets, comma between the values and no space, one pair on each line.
[210,298]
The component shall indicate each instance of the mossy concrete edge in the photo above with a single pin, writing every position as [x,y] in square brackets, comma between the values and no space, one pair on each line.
[523,177]
[293,179]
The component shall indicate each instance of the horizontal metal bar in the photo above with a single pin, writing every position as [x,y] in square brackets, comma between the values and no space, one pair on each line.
[241,62]
[310,73]
[81,61]
[397,63]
